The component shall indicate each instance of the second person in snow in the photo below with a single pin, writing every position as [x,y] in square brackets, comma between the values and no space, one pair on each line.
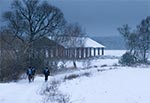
[46,73]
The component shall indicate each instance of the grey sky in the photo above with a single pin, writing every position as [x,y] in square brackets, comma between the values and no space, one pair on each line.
[100,17]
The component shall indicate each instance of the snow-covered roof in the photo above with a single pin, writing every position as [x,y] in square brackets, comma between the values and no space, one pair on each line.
[71,42]
[92,43]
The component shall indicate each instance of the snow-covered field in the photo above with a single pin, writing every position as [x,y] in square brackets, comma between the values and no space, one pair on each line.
[107,83]
[122,85]
[21,92]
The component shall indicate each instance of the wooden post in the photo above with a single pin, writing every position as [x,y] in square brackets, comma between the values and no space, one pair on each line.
[74,53]
[65,53]
[77,53]
[86,52]
[90,52]
[98,51]
[69,53]
[54,53]
[102,51]
[44,52]
[60,52]
[94,51]
[49,53]
[82,52]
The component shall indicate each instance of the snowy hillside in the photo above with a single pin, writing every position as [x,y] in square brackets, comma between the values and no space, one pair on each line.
[100,81]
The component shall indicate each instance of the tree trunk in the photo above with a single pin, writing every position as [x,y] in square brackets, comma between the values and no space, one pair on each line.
[74,64]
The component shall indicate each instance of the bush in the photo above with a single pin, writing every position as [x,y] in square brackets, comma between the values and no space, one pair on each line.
[10,69]
[53,95]
[128,59]
[86,74]
[72,76]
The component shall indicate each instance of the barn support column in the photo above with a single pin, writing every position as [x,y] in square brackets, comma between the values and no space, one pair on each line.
[69,52]
[98,51]
[79,52]
[60,53]
[53,53]
[82,52]
[56,52]
[94,51]
[102,51]
[75,52]
[49,53]
[90,52]
[66,53]
[72,52]
[86,52]
[46,53]
[77,55]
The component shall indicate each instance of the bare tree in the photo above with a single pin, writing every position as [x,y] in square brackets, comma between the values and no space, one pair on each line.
[138,41]
[130,38]
[30,20]
[143,32]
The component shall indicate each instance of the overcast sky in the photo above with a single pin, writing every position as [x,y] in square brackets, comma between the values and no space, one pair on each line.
[99,17]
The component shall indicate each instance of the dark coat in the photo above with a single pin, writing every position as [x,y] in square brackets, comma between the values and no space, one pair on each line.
[29,71]
[46,72]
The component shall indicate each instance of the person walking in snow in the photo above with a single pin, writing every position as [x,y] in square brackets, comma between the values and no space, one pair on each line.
[29,73]
[33,73]
[46,73]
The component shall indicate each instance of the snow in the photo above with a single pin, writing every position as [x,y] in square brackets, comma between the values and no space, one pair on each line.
[108,82]
[117,53]
[76,41]
[21,92]
[114,86]
[91,43]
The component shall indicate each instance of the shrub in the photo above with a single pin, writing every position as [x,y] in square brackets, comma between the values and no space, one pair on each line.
[73,76]
[100,70]
[70,77]
[105,65]
[86,74]
[53,95]
[128,59]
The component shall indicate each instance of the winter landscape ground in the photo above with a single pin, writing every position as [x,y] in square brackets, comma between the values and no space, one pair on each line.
[102,80]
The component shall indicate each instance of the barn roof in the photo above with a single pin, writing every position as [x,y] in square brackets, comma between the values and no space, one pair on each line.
[78,42]
[92,43]
[45,42]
